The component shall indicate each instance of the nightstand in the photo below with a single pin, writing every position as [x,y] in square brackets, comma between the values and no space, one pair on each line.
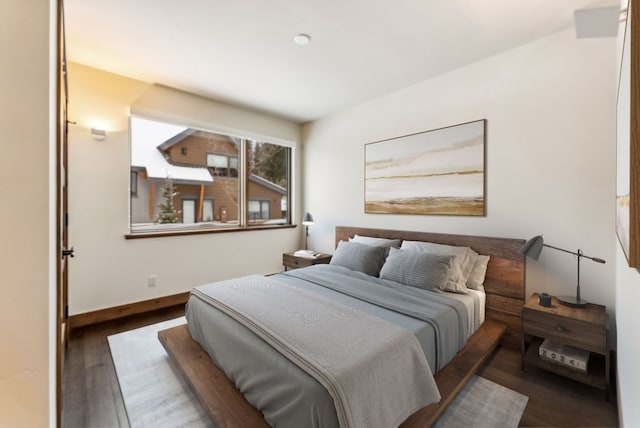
[292,262]
[582,328]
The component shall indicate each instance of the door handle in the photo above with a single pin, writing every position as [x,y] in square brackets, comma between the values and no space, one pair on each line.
[68,252]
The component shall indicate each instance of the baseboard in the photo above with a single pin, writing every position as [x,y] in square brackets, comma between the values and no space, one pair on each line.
[108,314]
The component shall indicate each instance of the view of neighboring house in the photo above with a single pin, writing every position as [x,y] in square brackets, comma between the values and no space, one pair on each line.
[204,169]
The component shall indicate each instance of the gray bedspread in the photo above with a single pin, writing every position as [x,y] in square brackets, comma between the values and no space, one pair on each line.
[447,317]
[371,360]
[286,394]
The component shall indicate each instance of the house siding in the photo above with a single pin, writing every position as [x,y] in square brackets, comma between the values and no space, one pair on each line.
[197,147]
[192,151]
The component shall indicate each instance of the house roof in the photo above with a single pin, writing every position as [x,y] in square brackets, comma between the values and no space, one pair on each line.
[149,138]
[177,138]
[146,137]
[190,131]
[268,184]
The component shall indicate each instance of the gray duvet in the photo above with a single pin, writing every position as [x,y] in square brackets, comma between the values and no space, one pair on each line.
[286,394]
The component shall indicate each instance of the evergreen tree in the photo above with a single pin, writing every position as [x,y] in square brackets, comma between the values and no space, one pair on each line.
[168,212]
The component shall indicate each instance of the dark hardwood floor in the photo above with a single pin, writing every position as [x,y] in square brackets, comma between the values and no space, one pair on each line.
[90,392]
[91,395]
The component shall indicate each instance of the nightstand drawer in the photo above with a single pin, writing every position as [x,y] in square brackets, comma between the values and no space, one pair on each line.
[296,262]
[581,334]
[290,261]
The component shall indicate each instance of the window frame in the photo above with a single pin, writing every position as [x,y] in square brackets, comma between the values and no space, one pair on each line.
[243,174]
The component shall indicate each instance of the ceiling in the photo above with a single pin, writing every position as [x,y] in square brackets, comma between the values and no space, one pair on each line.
[243,52]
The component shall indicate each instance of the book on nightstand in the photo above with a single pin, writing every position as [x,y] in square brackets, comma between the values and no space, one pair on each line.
[565,355]
[308,254]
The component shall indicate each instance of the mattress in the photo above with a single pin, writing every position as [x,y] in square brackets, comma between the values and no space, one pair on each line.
[288,397]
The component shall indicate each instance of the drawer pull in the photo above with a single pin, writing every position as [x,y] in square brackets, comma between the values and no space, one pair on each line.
[561,329]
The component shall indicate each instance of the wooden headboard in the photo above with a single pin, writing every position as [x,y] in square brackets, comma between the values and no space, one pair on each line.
[505,279]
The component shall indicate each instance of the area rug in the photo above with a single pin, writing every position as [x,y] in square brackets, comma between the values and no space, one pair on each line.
[156,395]
[484,404]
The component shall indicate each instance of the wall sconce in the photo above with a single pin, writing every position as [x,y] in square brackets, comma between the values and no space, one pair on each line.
[98,134]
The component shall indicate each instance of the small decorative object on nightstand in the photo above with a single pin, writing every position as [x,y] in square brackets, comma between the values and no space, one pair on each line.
[571,331]
[293,261]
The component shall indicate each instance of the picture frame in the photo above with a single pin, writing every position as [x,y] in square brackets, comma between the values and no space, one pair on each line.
[435,172]
[628,142]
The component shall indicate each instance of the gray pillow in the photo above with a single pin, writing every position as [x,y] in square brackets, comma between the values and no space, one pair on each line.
[417,269]
[462,264]
[363,258]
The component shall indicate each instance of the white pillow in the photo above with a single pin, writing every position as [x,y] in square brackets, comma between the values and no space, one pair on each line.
[470,263]
[476,279]
[463,262]
[376,242]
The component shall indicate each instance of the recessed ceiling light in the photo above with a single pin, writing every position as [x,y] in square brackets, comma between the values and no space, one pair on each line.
[302,39]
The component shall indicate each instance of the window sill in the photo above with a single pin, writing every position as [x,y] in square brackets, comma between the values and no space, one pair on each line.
[183,232]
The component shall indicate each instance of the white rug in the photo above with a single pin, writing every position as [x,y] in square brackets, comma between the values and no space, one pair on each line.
[156,395]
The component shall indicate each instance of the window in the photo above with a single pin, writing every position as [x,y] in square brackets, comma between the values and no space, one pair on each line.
[222,165]
[258,210]
[180,172]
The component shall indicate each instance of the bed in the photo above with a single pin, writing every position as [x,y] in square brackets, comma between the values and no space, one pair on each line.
[483,317]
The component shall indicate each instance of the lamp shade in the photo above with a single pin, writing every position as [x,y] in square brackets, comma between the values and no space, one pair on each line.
[532,248]
[307,219]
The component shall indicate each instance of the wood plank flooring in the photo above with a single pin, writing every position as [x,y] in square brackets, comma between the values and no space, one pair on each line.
[92,398]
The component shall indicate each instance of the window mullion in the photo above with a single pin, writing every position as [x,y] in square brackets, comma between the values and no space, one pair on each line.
[243,181]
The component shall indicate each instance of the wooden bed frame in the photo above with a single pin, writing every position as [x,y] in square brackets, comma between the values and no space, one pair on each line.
[505,289]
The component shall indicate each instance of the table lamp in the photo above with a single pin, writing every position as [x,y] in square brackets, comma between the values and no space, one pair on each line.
[532,249]
[307,220]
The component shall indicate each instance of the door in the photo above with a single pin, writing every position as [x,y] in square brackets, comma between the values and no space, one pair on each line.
[62,185]
[207,210]
[188,211]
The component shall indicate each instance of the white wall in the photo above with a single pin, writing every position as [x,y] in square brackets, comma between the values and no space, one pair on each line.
[628,323]
[109,270]
[627,317]
[550,166]
[27,359]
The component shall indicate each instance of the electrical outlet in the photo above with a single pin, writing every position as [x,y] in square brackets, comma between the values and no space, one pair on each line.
[151,281]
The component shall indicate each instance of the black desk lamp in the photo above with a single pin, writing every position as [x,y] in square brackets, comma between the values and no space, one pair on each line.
[533,247]
[307,220]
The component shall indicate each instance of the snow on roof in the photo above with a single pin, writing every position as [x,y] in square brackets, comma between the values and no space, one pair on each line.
[146,136]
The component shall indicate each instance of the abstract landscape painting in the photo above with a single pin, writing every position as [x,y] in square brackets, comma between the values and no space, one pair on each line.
[628,147]
[434,172]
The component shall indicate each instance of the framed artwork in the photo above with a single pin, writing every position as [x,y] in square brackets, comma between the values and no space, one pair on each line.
[627,142]
[441,172]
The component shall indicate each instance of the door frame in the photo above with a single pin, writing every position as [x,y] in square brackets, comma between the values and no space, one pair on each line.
[62,325]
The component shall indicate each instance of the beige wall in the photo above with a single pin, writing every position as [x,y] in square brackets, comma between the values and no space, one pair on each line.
[27,390]
[109,270]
